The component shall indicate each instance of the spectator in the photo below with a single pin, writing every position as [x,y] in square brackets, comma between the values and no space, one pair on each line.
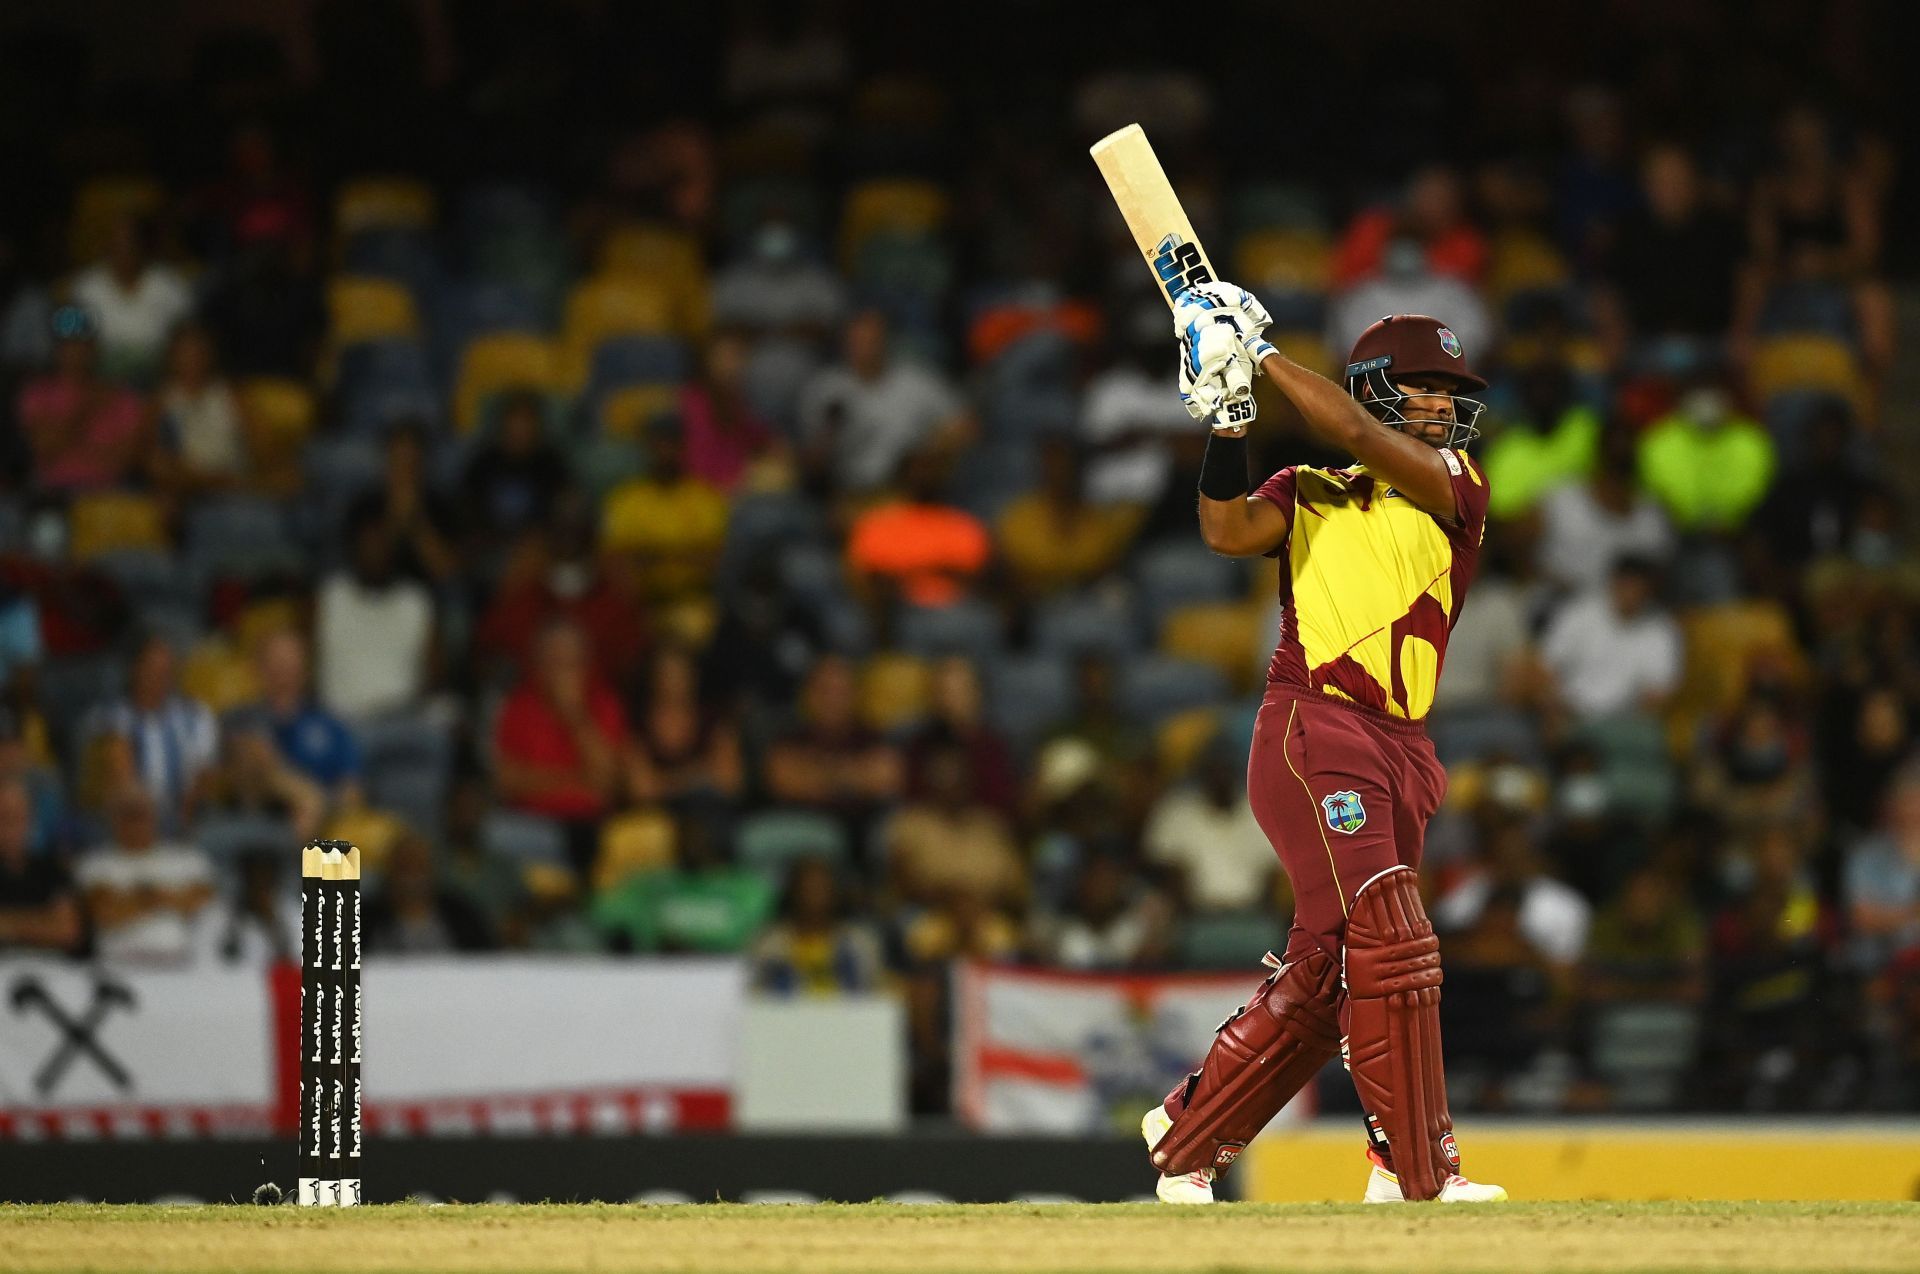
[726,438]
[161,738]
[259,924]
[1497,1015]
[136,299]
[561,741]
[1707,464]
[1586,526]
[814,947]
[684,752]
[1431,222]
[1552,439]
[918,549]
[764,644]
[550,917]
[1813,509]
[1205,832]
[39,907]
[1118,739]
[514,482]
[1490,650]
[671,522]
[1671,270]
[145,895]
[704,904]
[774,288]
[1880,879]
[553,573]
[20,646]
[491,884]
[411,913]
[1552,918]
[202,431]
[373,630]
[1112,923]
[955,718]
[828,760]
[1052,538]
[948,850]
[1615,651]
[82,432]
[1758,770]
[1131,418]
[264,306]
[287,747]
[420,522]
[1405,284]
[1647,945]
[861,418]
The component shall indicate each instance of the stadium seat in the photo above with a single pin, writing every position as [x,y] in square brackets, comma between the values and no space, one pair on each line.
[634,842]
[760,522]
[1635,761]
[369,309]
[969,627]
[657,253]
[991,475]
[1179,572]
[1524,261]
[1153,687]
[769,842]
[813,573]
[1644,1052]
[415,795]
[1806,362]
[1181,738]
[147,577]
[281,412]
[1228,636]
[404,255]
[115,521]
[899,205]
[238,536]
[381,381]
[750,201]
[1809,307]
[70,685]
[1307,348]
[373,831]
[523,838]
[777,370]
[367,203]
[635,360]
[1471,734]
[406,741]
[625,413]
[1282,261]
[1082,622]
[599,464]
[1278,206]
[219,675]
[225,837]
[100,203]
[1028,693]
[1230,940]
[894,689]
[607,306]
[499,362]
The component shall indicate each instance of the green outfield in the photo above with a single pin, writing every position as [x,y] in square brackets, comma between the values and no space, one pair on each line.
[1028,1239]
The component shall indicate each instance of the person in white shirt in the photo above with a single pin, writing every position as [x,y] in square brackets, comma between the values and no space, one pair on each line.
[861,417]
[1554,919]
[145,895]
[373,631]
[1615,651]
[1405,285]
[200,415]
[1585,526]
[1206,831]
[1130,419]
[135,300]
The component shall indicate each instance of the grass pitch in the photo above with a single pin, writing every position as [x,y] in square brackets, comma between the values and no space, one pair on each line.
[1001,1239]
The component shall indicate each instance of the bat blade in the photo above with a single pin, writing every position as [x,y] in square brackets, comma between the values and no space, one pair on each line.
[1152,211]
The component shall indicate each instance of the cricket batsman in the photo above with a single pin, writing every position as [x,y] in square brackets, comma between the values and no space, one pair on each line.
[1342,776]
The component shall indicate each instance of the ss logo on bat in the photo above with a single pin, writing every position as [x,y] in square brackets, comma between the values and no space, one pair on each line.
[1179,267]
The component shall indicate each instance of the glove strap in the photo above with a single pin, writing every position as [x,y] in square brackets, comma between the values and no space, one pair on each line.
[1223,469]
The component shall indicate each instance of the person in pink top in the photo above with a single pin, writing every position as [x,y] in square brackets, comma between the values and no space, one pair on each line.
[724,434]
[83,432]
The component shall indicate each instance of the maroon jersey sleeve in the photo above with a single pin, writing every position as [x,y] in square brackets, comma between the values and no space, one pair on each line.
[1279,490]
[1469,499]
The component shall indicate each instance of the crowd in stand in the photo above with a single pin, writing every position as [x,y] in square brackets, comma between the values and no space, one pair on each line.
[735,558]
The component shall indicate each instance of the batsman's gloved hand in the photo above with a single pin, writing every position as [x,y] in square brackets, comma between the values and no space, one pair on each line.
[1244,308]
[1216,375]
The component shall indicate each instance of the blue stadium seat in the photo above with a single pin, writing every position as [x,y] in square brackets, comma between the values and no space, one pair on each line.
[1179,572]
[1230,940]
[777,370]
[992,475]
[971,627]
[416,793]
[1155,686]
[1644,1051]
[1083,622]
[523,838]
[148,578]
[239,536]
[769,842]
[225,837]
[1026,694]
[403,254]
[636,360]
[813,573]
[1472,734]
[383,381]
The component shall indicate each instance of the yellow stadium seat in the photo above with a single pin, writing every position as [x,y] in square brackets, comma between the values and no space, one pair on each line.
[101,202]
[659,253]
[1179,740]
[626,412]
[1806,361]
[1225,635]
[217,674]
[108,521]
[264,618]
[1283,260]
[613,305]
[375,832]
[894,690]
[635,842]
[902,205]
[1523,261]
[1309,350]
[366,203]
[369,309]
[280,410]
[500,362]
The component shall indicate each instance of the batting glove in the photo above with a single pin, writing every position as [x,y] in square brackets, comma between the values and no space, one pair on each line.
[1249,316]
[1216,376]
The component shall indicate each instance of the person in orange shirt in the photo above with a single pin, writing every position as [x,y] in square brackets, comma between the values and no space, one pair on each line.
[918,548]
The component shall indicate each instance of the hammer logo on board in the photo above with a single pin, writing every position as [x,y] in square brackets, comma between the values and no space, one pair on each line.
[79,1032]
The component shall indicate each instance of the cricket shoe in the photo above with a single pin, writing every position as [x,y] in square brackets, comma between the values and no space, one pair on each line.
[1186,1187]
[1384,1187]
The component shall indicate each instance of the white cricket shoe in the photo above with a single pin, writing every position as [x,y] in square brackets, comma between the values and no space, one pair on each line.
[1384,1187]
[1187,1187]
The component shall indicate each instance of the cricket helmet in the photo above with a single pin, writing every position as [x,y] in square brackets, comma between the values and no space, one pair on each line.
[1404,347]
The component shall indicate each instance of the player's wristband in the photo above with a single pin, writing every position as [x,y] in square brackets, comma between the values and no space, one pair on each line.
[1223,469]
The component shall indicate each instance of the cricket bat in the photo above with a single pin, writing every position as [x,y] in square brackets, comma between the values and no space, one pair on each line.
[1165,238]
[1160,227]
